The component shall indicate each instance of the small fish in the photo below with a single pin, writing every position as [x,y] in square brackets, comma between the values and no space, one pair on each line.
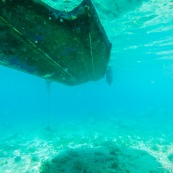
[109,76]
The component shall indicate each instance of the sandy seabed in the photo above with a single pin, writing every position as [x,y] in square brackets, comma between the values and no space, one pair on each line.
[91,145]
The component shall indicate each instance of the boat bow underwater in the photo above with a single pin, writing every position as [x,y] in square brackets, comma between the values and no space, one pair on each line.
[68,47]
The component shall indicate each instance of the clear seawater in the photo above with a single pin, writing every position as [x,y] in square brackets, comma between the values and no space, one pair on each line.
[96,128]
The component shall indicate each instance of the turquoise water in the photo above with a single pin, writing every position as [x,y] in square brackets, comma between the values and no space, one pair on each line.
[94,127]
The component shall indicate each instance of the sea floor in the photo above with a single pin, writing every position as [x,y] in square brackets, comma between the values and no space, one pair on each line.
[138,143]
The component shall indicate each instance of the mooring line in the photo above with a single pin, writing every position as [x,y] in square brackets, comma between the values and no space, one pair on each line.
[85,67]
[91,52]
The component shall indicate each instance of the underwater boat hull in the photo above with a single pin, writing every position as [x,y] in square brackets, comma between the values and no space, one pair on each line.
[67,47]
